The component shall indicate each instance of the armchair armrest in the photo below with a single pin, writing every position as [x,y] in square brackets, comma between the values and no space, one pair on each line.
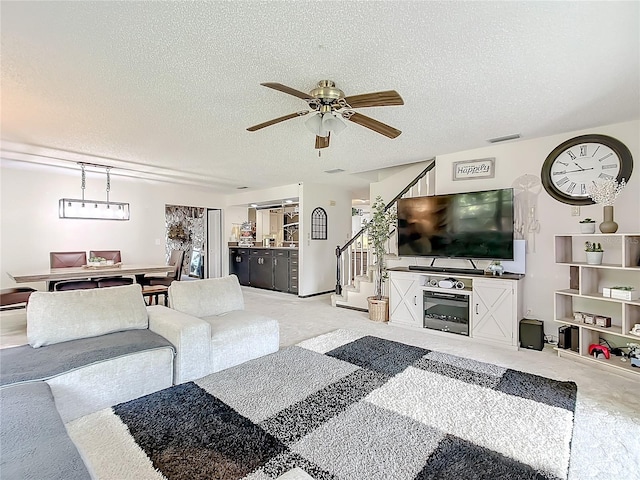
[190,336]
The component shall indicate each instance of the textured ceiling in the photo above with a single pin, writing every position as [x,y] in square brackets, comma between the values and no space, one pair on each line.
[170,88]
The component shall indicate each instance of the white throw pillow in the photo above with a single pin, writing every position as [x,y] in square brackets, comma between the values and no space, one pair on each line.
[54,317]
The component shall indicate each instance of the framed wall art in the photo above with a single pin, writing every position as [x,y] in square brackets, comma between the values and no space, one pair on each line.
[474,169]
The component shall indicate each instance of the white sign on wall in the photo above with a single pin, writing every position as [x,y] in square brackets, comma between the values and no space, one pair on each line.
[474,169]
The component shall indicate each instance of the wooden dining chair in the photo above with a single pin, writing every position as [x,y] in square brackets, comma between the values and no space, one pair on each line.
[65,260]
[64,285]
[114,282]
[14,298]
[116,257]
[176,260]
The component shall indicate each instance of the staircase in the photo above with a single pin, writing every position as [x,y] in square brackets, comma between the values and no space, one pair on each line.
[355,267]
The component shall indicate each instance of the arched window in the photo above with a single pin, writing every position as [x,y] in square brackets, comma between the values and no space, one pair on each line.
[318,224]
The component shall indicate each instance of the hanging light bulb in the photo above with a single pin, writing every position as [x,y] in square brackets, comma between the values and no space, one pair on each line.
[315,125]
[331,123]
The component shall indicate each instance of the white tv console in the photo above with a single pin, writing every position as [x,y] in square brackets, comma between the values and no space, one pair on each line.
[495,302]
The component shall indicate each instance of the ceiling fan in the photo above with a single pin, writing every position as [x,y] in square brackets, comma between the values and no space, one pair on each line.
[329,102]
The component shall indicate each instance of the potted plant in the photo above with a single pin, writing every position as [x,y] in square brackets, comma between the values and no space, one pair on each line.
[379,229]
[594,253]
[96,261]
[587,226]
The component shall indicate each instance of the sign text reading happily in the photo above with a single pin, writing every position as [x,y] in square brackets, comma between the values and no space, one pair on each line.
[472,169]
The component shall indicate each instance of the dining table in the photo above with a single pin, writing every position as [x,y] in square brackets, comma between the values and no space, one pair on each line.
[78,273]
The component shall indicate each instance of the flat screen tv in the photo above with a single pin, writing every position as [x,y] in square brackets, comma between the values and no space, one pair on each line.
[473,225]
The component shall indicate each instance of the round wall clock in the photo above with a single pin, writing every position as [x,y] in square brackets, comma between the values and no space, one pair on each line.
[579,162]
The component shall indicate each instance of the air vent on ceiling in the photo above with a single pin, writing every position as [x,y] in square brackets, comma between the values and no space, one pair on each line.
[504,139]
[241,188]
[335,170]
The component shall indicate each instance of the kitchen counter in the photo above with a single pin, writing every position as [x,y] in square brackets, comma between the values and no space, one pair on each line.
[265,248]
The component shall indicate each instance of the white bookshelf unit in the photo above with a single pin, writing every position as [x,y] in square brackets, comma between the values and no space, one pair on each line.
[620,267]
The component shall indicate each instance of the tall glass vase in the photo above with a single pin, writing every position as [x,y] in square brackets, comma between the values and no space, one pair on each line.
[608,226]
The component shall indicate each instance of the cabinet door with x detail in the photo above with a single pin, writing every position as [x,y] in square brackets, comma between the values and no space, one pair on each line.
[493,310]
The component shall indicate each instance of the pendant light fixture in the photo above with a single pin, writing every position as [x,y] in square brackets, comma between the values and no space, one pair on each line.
[93,209]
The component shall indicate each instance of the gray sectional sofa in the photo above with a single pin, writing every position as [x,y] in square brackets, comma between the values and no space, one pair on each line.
[91,349]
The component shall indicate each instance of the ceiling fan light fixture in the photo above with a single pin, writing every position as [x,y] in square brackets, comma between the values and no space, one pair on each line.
[315,125]
[331,123]
[327,103]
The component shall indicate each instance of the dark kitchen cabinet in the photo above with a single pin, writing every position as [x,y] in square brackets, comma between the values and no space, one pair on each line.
[239,264]
[281,270]
[261,268]
[293,271]
[270,268]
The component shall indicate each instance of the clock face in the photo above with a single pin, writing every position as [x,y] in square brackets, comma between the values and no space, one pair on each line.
[575,165]
[579,166]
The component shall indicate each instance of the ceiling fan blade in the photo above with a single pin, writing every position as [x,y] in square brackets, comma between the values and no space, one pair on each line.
[289,90]
[322,142]
[278,120]
[376,99]
[371,124]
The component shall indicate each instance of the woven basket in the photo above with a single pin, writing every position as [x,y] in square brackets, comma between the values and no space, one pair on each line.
[378,309]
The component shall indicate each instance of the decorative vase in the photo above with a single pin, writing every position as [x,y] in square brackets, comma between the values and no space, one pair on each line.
[588,227]
[594,258]
[608,226]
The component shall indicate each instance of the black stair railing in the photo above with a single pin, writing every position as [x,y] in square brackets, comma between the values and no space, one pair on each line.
[360,235]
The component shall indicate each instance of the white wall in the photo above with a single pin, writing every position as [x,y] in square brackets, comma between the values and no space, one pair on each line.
[392,185]
[317,257]
[517,158]
[30,227]
[274,194]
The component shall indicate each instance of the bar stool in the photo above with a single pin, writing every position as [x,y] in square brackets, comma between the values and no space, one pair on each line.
[153,292]
[15,298]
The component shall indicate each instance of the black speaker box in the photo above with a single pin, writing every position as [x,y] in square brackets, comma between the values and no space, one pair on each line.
[575,339]
[564,337]
[531,334]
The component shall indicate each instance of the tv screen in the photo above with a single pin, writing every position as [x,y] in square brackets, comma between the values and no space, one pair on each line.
[462,225]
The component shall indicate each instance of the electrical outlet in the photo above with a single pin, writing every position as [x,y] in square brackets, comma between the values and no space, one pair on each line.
[575,211]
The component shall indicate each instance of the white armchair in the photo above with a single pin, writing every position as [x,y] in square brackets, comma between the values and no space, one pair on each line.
[237,335]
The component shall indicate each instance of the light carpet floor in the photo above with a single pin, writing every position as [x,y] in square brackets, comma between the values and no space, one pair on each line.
[606,437]
[341,406]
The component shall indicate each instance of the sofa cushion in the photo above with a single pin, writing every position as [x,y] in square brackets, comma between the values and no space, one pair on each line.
[21,364]
[203,298]
[239,336]
[54,317]
[35,444]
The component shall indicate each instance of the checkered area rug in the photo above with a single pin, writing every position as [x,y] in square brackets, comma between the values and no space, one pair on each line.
[340,406]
